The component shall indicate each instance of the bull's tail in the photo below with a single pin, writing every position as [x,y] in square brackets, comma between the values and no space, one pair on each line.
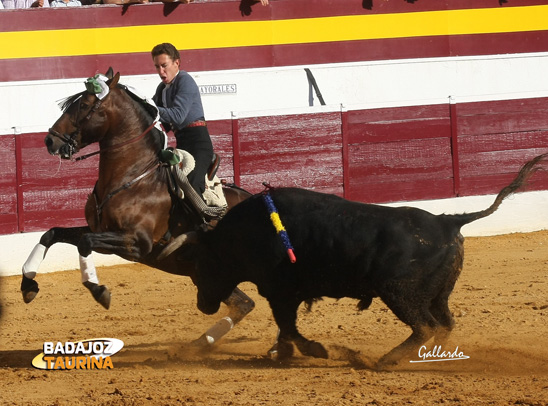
[519,182]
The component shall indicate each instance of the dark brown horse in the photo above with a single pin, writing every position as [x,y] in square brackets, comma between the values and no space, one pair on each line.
[131,212]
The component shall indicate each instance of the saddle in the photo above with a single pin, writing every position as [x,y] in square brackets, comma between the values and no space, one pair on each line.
[212,204]
[215,162]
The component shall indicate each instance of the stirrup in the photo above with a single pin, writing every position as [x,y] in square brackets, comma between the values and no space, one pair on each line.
[194,200]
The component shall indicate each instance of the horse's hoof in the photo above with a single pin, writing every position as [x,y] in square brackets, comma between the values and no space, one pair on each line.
[100,293]
[202,343]
[103,298]
[273,354]
[385,363]
[29,289]
[280,351]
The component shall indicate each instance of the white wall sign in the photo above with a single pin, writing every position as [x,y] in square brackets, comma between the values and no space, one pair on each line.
[218,89]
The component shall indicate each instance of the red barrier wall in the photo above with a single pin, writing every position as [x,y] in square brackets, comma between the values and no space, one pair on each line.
[376,155]
[303,150]
[496,138]
[400,154]
[8,186]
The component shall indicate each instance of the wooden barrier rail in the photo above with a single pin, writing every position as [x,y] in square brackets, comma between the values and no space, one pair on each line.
[374,155]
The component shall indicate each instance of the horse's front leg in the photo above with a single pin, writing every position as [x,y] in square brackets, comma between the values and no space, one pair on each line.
[52,236]
[29,287]
[131,246]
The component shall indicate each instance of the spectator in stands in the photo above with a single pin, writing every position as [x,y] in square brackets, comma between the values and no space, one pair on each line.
[122,2]
[11,4]
[65,3]
[264,2]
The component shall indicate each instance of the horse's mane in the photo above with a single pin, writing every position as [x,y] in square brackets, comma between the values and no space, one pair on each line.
[148,110]
[151,112]
[64,104]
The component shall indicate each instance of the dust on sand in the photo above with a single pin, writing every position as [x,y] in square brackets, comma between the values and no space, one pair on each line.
[500,303]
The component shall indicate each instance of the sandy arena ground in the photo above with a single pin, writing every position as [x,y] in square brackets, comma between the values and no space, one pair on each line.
[500,304]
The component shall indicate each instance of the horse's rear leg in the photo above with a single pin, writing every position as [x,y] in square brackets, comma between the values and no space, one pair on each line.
[239,305]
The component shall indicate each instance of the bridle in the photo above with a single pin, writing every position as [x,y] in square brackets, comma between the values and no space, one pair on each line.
[68,148]
[70,144]
[121,144]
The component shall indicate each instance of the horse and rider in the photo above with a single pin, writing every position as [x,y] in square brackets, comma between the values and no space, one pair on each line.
[135,208]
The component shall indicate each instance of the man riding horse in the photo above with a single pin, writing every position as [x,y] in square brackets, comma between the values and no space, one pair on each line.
[132,211]
[180,105]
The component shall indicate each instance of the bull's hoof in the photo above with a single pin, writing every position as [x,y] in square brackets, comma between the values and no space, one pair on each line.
[314,349]
[29,289]
[100,293]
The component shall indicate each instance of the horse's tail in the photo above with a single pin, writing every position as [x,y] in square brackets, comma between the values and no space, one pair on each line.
[519,182]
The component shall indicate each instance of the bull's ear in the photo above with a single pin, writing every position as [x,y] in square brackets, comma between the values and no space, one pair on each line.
[110,73]
[114,81]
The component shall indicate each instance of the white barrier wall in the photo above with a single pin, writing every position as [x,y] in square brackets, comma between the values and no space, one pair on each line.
[523,212]
[364,84]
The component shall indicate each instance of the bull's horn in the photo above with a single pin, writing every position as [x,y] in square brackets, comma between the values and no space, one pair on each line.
[187,238]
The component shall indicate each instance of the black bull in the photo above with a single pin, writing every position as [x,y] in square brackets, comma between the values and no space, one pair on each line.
[408,257]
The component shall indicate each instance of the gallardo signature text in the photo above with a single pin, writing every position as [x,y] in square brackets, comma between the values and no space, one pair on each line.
[438,354]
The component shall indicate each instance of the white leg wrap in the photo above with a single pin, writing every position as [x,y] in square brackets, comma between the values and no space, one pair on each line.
[87,268]
[30,267]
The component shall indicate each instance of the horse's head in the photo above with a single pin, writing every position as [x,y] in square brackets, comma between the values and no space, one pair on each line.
[84,120]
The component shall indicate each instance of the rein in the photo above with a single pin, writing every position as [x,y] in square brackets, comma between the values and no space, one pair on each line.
[70,144]
[98,87]
[127,185]
[121,144]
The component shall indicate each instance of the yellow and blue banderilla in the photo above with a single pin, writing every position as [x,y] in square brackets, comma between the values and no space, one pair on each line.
[277,222]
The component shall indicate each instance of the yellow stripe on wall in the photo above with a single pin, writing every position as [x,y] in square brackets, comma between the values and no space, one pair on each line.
[131,39]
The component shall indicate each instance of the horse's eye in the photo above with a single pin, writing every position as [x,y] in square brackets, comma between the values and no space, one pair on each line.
[84,106]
